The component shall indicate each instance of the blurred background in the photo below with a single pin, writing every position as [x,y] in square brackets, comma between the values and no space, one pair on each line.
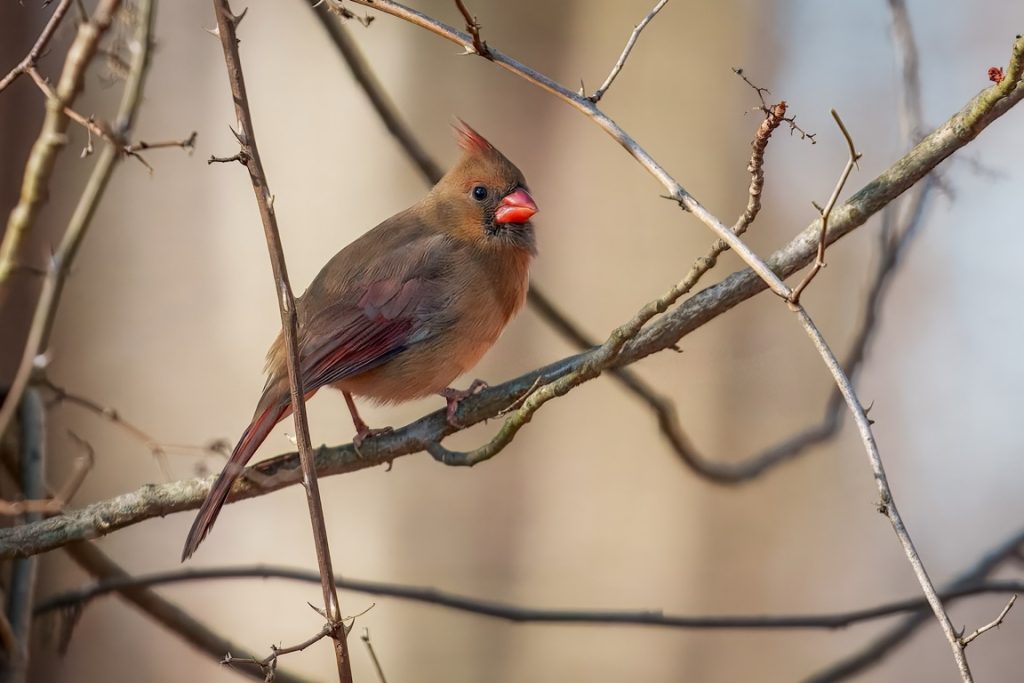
[171,306]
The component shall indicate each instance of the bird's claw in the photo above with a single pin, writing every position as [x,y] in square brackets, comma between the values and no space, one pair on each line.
[365,433]
[454,396]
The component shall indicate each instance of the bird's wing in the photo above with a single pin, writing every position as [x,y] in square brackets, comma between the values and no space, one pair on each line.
[386,309]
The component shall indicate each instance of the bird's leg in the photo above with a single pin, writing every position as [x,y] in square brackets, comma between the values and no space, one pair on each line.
[362,429]
[454,396]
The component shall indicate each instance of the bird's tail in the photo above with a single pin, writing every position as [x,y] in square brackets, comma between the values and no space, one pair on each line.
[252,438]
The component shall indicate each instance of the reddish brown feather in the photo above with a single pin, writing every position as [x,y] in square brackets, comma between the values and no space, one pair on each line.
[469,140]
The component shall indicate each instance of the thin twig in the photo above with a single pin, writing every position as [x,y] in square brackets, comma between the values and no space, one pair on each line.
[599,93]
[473,26]
[887,504]
[373,656]
[45,313]
[62,395]
[227,23]
[521,614]
[40,45]
[167,614]
[268,665]
[116,135]
[106,516]
[38,506]
[52,138]
[878,649]
[766,109]
[386,110]
[965,641]
[826,213]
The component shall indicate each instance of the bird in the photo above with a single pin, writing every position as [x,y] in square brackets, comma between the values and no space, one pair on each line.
[405,309]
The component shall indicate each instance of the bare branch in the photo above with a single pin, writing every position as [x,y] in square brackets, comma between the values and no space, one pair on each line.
[429,169]
[520,614]
[599,93]
[227,22]
[992,624]
[170,616]
[52,138]
[62,395]
[373,656]
[879,648]
[473,26]
[60,264]
[826,213]
[268,665]
[40,45]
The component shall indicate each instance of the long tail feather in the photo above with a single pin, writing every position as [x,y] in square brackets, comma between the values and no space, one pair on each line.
[252,438]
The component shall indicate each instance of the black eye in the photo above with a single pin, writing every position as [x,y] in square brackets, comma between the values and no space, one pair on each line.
[479,193]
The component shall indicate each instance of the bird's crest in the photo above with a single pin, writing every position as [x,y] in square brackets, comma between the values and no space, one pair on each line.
[469,140]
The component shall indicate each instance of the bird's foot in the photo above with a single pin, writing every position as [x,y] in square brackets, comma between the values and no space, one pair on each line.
[454,396]
[363,433]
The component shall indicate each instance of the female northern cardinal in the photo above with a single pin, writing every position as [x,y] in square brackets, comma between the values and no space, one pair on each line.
[406,308]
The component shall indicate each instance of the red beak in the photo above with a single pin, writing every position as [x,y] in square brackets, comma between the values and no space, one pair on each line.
[516,207]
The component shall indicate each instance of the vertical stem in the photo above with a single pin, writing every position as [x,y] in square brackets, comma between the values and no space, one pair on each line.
[226,25]
[23,573]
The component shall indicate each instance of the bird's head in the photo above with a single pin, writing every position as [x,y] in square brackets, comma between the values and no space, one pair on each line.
[485,196]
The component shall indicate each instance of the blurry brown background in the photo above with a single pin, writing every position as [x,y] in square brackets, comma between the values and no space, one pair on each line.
[171,306]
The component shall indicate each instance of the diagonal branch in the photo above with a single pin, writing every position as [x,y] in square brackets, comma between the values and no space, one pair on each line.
[878,649]
[51,139]
[106,516]
[95,562]
[599,93]
[227,23]
[37,49]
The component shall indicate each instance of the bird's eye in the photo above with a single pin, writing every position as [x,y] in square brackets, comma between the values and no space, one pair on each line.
[479,193]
